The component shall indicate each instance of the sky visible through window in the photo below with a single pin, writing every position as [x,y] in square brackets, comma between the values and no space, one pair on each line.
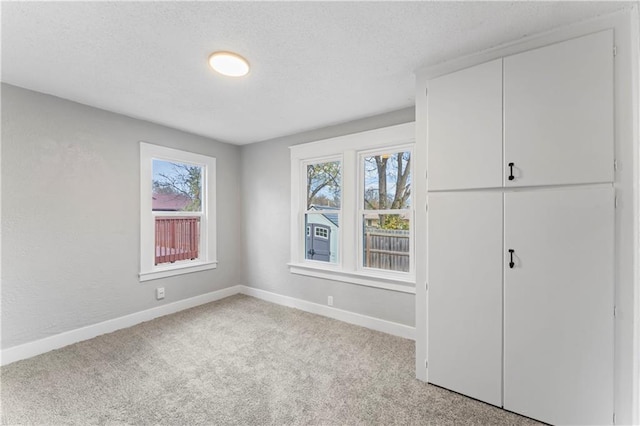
[395,166]
[324,181]
[161,167]
[176,186]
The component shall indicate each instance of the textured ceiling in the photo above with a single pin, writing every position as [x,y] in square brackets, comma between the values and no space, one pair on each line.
[313,63]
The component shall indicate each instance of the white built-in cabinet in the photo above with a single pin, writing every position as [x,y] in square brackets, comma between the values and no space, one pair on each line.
[558,113]
[465,129]
[554,105]
[521,231]
[465,293]
[558,304]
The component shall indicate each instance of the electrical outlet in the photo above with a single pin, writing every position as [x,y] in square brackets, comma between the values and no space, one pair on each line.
[160,293]
[330,300]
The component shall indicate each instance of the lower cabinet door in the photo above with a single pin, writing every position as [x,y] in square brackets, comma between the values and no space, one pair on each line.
[559,293]
[465,293]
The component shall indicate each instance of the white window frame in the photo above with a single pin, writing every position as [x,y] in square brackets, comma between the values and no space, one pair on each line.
[348,148]
[207,249]
[361,210]
[305,211]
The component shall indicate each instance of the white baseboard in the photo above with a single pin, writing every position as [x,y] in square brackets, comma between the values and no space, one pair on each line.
[377,324]
[57,341]
[31,349]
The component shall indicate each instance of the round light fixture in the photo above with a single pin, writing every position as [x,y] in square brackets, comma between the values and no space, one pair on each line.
[229,64]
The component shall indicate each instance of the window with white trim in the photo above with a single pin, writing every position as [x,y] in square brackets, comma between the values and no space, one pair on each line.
[385,212]
[322,209]
[177,208]
[352,215]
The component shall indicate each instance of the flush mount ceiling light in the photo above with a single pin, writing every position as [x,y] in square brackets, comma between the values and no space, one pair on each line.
[229,64]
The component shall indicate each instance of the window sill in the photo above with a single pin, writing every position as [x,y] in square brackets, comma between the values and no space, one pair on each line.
[169,271]
[403,285]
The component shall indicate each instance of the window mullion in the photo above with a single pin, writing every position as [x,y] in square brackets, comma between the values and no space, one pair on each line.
[298,208]
[387,211]
[349,210]
[160,213]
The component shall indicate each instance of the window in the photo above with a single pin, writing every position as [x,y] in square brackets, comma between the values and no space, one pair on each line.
[352,214]
[322,210]
[176,188]
[177,212]
[385,212]
[322,233]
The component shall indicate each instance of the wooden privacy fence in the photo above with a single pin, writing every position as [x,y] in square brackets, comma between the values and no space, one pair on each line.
[387,249]
[177,238]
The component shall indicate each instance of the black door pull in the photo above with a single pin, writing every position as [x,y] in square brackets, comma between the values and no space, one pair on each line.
[511,264]
[511,177]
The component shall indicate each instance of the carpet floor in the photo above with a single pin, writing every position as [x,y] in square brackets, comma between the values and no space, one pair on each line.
[237,361]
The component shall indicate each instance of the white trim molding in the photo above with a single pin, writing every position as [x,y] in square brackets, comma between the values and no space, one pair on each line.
[400,285]
[186,269]
[377,324]
[31,349]
[58,341]
[207,257]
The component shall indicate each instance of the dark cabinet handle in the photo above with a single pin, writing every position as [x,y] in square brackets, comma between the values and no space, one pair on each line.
[511,264]
[511,177]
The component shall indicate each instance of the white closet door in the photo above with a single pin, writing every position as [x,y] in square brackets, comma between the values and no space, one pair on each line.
[558,113]
[558,325]
[465,128]
[465,294]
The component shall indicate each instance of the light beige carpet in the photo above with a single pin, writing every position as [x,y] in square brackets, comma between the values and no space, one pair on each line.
[238,361]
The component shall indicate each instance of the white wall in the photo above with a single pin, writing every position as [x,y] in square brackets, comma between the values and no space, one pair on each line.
[70,216]
[266,192]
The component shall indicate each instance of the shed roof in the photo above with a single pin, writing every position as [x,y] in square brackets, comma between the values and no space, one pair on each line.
[332,217]
[169,202]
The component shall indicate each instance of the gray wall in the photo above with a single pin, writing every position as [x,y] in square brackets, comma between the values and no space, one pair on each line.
[266,192]
[71,213]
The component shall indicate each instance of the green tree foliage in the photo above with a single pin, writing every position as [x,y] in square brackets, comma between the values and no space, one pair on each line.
[323,184]
[393,221]
[183,180]
[388,170]
[392,189]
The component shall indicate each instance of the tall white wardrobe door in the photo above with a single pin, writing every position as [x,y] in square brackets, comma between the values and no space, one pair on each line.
[465,294]
[465,128]
[558,113]
[558,324]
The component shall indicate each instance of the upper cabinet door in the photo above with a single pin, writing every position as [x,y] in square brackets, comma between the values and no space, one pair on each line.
[558,113]
[465,128]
